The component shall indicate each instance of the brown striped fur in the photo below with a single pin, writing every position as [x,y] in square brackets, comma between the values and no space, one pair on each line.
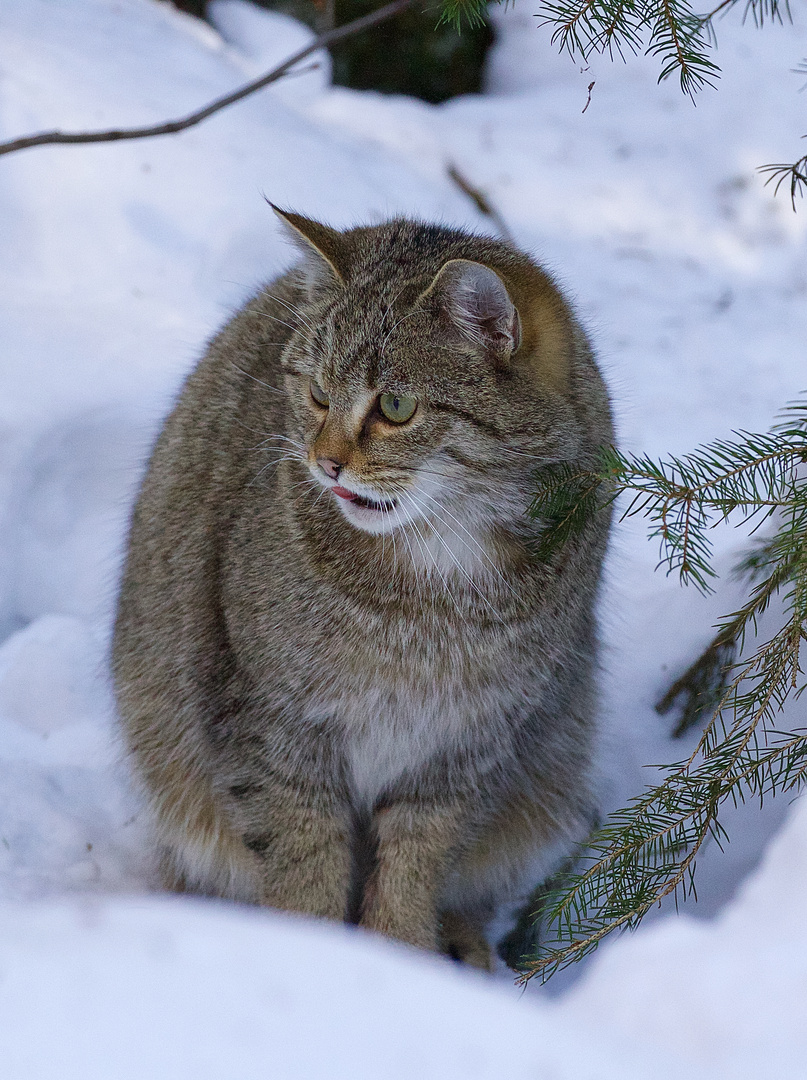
[393,724]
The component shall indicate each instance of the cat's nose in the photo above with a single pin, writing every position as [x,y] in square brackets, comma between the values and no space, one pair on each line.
[329,466]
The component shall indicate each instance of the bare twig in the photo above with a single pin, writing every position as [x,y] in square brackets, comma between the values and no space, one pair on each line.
[45,138]
[716,11]
[481,202]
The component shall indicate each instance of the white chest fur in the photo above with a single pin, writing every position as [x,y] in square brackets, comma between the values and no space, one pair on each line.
[430,698]
[389,735]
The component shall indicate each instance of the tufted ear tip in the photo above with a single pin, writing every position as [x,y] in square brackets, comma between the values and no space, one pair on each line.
[325,249]
[478,303]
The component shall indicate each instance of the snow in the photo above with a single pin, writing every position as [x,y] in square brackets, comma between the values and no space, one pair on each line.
[260,43]
[206,992]
[116,263]
[141,988]
[726,997]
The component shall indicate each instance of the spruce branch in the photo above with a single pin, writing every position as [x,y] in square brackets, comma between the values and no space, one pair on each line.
[566,498]
[669,29]
[754,474]
[331,37]
[456,12]
[701,688]
[679,39]
[588,26]
[648,850]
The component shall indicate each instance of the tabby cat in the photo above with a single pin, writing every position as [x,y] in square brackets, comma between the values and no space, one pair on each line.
[348,686]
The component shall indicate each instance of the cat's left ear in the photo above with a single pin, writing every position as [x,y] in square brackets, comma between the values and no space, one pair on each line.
[325,249]
[477,301]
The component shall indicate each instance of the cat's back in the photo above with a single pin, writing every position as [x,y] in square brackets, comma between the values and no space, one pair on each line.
[214,443]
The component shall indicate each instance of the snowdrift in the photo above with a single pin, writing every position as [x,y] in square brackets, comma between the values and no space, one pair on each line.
[116,263]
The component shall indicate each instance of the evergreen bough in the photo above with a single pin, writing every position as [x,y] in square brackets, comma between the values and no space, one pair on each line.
[648,850]
[670,30]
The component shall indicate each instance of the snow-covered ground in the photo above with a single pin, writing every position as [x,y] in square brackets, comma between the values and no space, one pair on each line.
[116,263]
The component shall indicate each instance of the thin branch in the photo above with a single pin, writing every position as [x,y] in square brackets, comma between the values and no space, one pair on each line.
[717,10]
[670,19]
[45,138]
[481,202]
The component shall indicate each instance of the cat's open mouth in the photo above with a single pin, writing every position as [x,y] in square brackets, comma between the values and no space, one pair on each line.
[379,505]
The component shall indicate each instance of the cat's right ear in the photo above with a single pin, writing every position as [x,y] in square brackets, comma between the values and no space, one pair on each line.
[325,250]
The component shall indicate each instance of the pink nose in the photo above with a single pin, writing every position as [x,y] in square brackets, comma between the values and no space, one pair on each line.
[330,467]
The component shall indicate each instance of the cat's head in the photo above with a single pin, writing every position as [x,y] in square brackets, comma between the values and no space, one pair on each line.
[428,374]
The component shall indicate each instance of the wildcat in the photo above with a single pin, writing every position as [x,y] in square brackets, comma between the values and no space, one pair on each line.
[349,688]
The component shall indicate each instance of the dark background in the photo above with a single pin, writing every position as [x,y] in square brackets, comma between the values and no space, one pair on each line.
[411,54]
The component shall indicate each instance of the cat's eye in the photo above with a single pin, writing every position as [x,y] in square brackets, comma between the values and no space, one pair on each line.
[319,395]
[397,408]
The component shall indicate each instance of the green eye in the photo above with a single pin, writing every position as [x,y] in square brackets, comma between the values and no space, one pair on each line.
[319,395]
[397,408]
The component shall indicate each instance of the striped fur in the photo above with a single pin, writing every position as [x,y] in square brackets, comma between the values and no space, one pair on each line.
[384,716]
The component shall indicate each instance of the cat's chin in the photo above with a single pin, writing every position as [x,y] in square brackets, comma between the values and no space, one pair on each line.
[372,519]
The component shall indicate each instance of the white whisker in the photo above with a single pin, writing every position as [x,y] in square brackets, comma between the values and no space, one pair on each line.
[390,305]
[274,318]
[282,438]
[423,547]
[459,565]
[293,309]
[269,465]
[260,382]
[412,558]
[395,326]
[524,454]
[446,585]
[394,548]
[479,547]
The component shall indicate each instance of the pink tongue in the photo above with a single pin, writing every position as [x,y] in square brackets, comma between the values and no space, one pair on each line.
[343,493]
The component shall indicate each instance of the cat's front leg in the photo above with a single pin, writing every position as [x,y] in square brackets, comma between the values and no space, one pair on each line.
[417,842]
[300,838]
